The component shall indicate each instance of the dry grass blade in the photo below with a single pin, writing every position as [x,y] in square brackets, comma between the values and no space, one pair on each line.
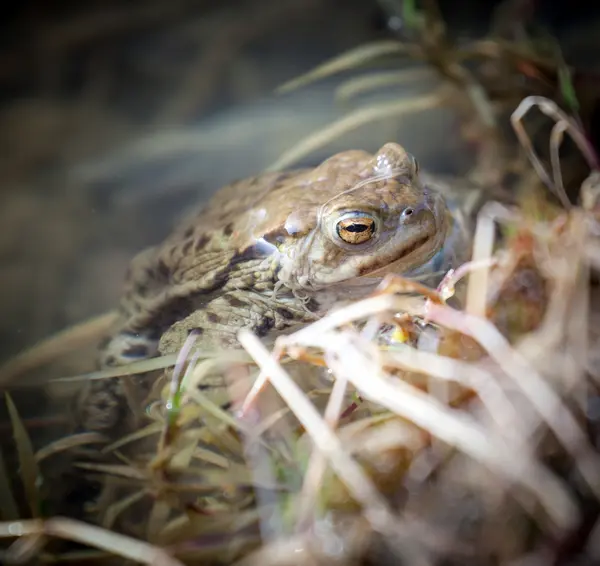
[215,432]
[153,428]
[375,508]
[115,509]
[556,138]
[191,392]
[114,469]
[274,418]
[361,309]
[143,366]
[483,247]
[157,520]
[493,397]
[373,81]
[30,473]
[214,410]
[156,145]
[566,326]
[317,463]
[539,393]
[563,124]
[76,556]
[153,364]
[270,520]
[296,551]
[67,443]
[96,537]
[25,549]
[213,365]
[8,506]
[57,345]
[590,192]
[349,60]
[352,121]
[365,308]
[356,362]
[210,457]
[180,527]
[182,458]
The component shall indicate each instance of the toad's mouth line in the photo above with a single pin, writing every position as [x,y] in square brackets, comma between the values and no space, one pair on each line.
[414,246]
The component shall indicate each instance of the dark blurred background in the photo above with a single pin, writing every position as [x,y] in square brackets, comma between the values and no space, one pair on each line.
[117,115]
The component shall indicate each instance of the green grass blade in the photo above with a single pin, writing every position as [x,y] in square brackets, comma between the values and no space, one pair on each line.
[567,89]
[414,19]
[29,469]
[9,509]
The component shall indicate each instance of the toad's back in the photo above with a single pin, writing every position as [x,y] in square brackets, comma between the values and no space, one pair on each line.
[276,249]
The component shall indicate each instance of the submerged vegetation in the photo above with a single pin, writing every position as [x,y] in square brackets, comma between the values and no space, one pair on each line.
[453,423]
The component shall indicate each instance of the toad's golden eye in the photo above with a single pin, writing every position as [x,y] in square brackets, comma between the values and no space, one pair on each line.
[355,228]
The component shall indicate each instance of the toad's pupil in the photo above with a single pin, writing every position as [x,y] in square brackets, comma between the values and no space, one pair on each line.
[357,228]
